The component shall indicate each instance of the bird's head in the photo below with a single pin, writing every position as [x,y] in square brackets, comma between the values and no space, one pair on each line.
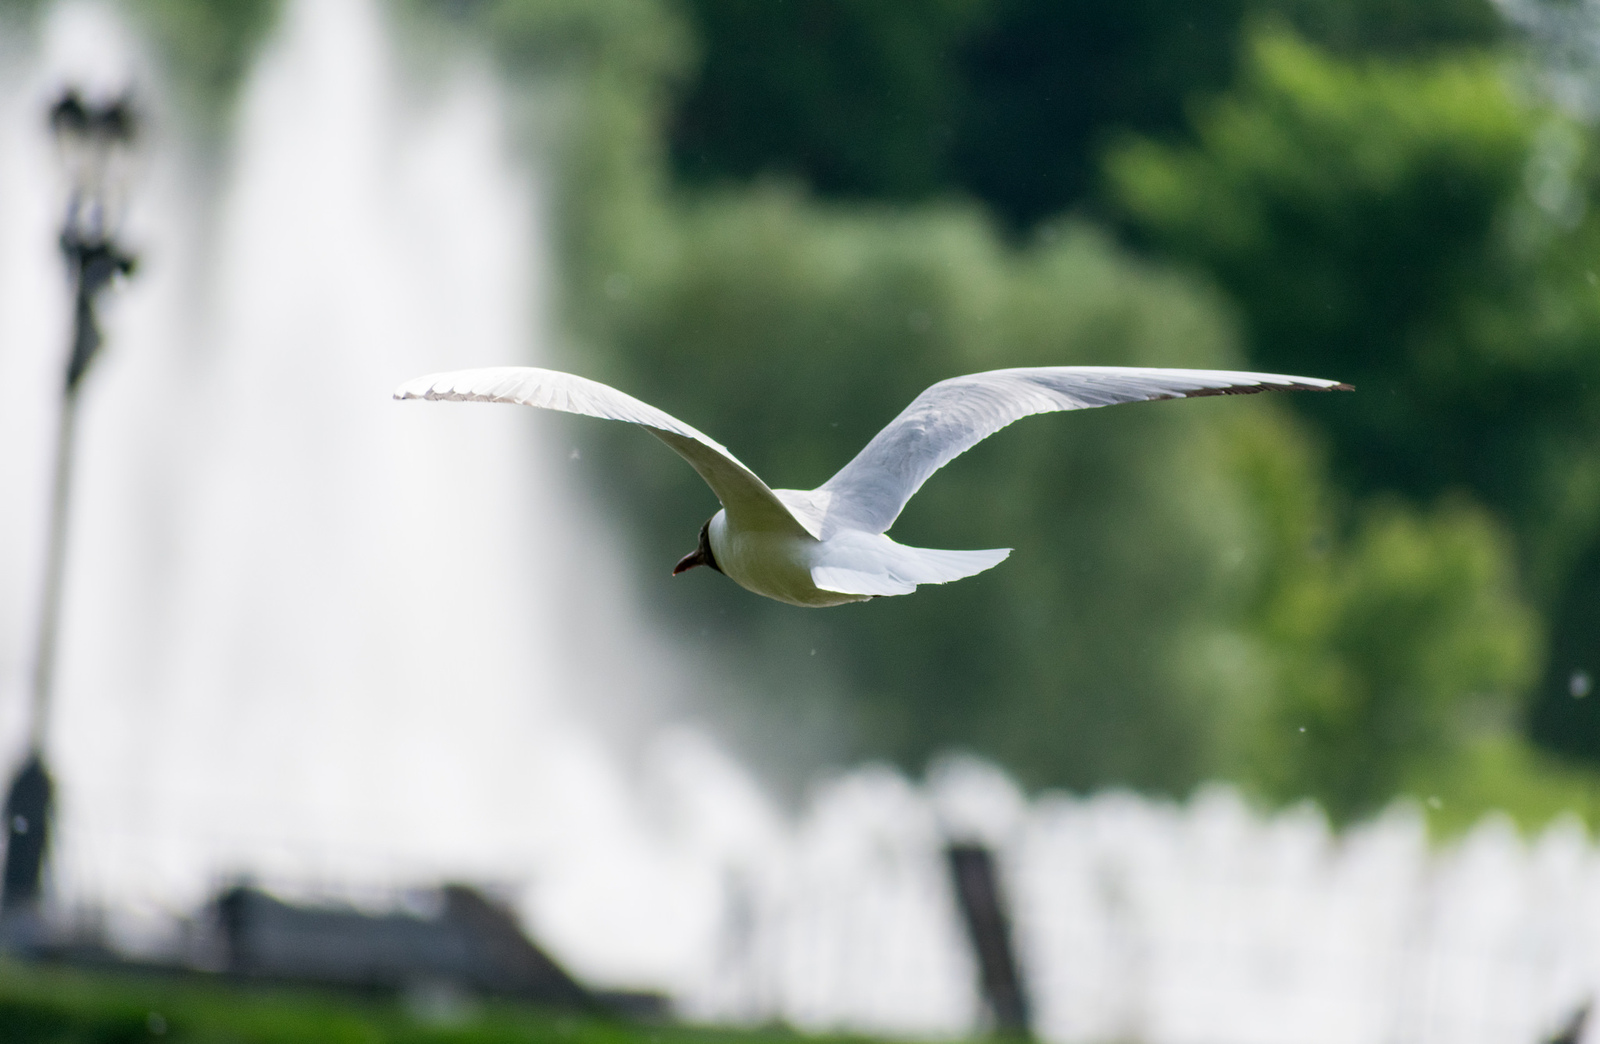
[699,556]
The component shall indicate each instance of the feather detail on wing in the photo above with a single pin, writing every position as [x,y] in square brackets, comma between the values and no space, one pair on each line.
[740,490]
[954,415]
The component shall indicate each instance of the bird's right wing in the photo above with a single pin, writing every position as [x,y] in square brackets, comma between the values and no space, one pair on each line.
[742,493]
[954,415]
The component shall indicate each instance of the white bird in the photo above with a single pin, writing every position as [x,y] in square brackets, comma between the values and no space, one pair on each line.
[827,546]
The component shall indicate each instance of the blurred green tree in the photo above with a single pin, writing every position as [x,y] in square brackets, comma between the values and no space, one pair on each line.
[1009,101]
[1420,231]
[1380,654]
[856,98]
[209,42]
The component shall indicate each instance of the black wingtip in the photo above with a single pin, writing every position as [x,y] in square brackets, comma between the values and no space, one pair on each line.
[1256,389]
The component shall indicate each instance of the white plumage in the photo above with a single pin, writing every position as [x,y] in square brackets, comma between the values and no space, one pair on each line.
[827,546]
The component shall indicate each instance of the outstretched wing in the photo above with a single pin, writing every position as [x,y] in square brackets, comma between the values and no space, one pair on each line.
[955,415]
[742,493]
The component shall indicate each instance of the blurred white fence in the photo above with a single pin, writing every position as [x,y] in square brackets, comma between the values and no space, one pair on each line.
[1138,920]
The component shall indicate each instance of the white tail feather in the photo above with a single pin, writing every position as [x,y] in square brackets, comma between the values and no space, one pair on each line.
[901,569]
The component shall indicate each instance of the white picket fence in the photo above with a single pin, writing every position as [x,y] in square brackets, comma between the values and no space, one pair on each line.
[1140,920]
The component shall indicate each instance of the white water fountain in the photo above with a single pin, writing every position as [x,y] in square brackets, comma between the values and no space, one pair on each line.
[312,634]
[315,636]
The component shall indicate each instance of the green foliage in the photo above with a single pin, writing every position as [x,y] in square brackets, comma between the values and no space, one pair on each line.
[1382,27]
[637,40]
[1384,651]
[856,97]
[1009,101]
[1352,214]
[208,44]
[1498,772]
[1048,82]
[18,8]
[1420,231]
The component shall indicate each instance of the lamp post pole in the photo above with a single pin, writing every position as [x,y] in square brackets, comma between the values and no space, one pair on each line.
[93,141]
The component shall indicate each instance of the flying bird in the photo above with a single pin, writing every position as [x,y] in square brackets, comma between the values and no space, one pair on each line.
[828,546]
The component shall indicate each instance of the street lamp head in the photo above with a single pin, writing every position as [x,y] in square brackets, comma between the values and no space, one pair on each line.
[95,141]
[96,145]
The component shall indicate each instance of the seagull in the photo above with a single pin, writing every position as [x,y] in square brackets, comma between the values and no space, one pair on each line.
[829,546]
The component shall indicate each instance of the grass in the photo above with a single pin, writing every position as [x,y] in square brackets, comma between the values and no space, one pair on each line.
[60,1005]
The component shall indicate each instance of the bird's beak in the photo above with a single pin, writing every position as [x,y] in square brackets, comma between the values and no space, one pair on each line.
[697,557]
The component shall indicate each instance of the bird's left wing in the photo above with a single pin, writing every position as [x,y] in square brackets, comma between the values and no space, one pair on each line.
[741,491]
[954,415]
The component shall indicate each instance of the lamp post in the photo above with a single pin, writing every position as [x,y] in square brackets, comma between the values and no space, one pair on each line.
[95,144]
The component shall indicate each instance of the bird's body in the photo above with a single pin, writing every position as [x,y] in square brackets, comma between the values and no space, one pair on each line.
[772,563]
[829,546]
[850,566]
